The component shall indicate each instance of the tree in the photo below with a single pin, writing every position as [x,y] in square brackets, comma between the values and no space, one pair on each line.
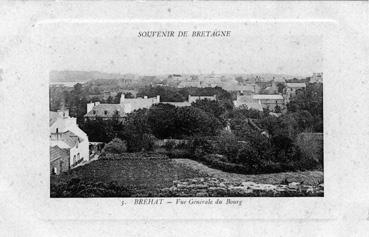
[243,112]
[310,100]
[98,130]
[161,119]
[281,87]
[192,121]
[277,109]
[210,106]
[116,146]
[110,100]
[134,130]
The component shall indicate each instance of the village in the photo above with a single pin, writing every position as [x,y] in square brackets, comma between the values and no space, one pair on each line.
[237,124]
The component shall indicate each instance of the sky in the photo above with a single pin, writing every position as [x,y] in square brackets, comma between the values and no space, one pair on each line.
[256,47]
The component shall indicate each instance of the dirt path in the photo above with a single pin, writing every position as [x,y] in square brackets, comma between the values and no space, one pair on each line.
[304,177]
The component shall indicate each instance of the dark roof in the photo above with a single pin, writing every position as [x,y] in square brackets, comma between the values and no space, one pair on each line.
[111,110]
[58,153]
[71,139]
[68,138]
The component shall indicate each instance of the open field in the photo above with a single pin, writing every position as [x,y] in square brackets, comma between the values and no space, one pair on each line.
[141,173]
[184,177]
[304,177]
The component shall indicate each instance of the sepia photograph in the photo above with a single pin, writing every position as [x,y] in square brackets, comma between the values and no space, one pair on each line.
[184,118]
[186,110]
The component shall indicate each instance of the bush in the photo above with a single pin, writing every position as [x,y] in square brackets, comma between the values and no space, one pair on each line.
[179,153]
[116,146]
[227,145]
[148,142]
[78,188]
[200,146]
[169,145]
[311,146]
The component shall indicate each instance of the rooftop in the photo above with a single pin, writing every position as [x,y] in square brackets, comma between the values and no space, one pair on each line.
[267,97]
[57,153]
[296,85]
[68,138]
[106,110]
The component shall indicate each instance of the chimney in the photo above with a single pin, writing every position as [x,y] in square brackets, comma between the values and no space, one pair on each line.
[158,99]
[63,113]
[90,106]
[122,97]
[145,97]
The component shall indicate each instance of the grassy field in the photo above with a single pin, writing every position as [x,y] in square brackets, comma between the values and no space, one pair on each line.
[149,177]
[140,173]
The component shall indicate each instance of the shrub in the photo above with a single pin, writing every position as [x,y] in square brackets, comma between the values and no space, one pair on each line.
[169,145]
[148,142]
[180,153]
[78,188]
[311,146]
[116,146]
[227,145]
[200,146]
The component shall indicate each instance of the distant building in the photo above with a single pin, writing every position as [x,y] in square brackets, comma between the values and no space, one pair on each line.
[193,98]
[178,104]
[119,111]
[292,88]
[243,89]
[272,89]
[248,101]
[316,78]
[260,102]
[68,143]
[105,111]
[184,84]
[131,104]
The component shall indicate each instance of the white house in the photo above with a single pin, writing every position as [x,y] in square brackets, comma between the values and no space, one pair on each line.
[68,143]
[126,105]
[258,102]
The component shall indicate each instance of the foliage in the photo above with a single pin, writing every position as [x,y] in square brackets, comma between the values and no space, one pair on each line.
[200,146]
[310,100]
[227,145]
[162,120]
[116,146]
[134,130]
[212,107]
[281,87]
[101,130]
[78,188]
[311,146]
[191,121]
[167,94]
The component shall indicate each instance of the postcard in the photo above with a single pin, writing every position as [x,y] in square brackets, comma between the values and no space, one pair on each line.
[140,111]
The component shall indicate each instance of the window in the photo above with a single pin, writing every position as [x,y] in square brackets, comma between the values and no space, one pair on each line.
[57,130]
[94,111]
[74,159]
[78,156]
[105,112]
